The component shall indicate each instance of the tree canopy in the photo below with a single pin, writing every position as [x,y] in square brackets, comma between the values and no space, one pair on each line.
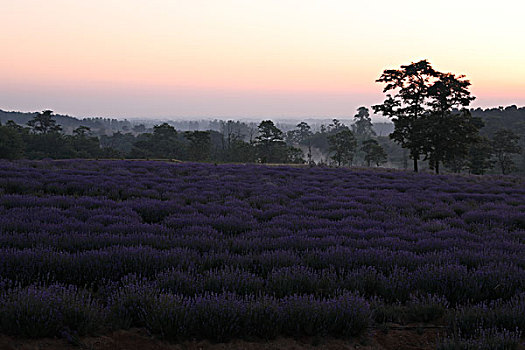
[343,146]
[407,105]
[363,127]
[429,112]
[270,144]
[44,123]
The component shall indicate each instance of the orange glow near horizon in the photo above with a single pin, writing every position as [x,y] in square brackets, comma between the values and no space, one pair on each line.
[277,58]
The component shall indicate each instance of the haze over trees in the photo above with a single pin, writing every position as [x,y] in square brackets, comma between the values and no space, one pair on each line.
[239,142]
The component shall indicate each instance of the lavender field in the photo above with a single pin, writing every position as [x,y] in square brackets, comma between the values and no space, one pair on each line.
[243,251]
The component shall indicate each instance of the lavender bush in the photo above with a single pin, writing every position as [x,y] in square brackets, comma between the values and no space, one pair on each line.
[49,311]
[223,251]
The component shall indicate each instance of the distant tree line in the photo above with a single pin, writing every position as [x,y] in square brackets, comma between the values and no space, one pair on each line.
[432,126]
[335,144]
[98,126]
[43,138]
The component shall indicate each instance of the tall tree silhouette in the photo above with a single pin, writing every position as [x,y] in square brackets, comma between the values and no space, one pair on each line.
[343,146]
[363,126]
[270,143]
[43,123]
[406,103]
[449,127]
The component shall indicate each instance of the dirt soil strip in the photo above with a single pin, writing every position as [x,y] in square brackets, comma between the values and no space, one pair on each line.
[407,339]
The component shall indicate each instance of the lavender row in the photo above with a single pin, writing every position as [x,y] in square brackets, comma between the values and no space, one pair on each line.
[256,238]
[181,272]
[67,311]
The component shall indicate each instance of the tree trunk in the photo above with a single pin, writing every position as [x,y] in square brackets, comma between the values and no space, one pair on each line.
[437,167]
[415,165]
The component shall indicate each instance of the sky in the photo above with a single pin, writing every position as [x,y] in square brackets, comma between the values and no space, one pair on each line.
[247,58]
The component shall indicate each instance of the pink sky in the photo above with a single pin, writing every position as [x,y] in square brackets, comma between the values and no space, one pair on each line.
[237,58]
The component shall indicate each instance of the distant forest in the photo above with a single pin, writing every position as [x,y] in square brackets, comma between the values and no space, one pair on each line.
[356,142]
